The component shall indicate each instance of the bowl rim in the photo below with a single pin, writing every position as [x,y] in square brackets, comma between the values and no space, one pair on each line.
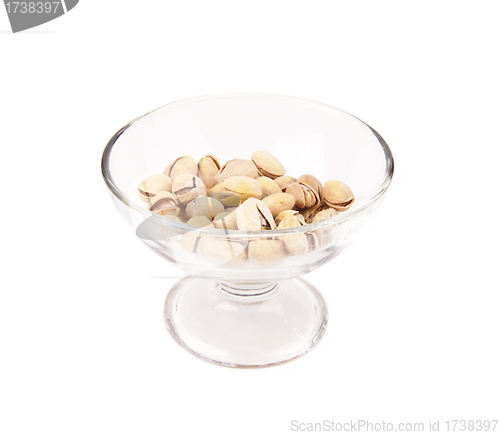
[165,221]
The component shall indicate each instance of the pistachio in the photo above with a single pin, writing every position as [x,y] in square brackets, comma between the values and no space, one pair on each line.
[325,214]
[152,185]
[284,182]
[226,221]
[226,197]
[312,182]
[243,187]
[173,218]
[254,215]
[237,167]
[269,187]
[337,195]
[188,187]
[222,251]
[199,221]
[164,203]
[279,202]
[189,241]
[204,206]
[182,165]
[267,164]
[310,212]
[304,195]
[295,244]
[209,168]
[286,213]
[266,252]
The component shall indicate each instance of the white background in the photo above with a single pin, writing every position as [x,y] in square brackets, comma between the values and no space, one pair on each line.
[414,303]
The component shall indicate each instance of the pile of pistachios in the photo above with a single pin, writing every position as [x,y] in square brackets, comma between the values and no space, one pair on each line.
[248,195]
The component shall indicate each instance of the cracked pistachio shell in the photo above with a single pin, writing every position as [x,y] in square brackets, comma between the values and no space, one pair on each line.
[209,168]
[266,252]
[337,195]
[254,215]
[190,240]
[295,244]
[325,214]
[199,221]
[182,165]
[312,182]
[304,195]
[237,167]
[309,212]
[226,221]
[284,182]
[268,165]
[164,203]
[223,195]
[279,202]
[269,187]
[152,185]
[188,187]
[286,213]
[222,251]
[204,206]
[243,187]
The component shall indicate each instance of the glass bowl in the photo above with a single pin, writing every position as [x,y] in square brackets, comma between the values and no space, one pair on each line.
[231,309]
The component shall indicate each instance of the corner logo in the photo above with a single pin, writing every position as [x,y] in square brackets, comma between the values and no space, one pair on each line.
[27,14]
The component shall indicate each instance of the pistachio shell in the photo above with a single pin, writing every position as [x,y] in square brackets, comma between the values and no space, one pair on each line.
[296,190]
[222,251]
[204,206]
[284,182]
[226,221]
[267,164]
[182,165]
[164,203]
[286,213]
[226,197]
[209,168]
[266,252]
[279,202]
[152,185]
[173,218]
[295,244]
[188,187]
[254,215]
[237,167]
[189,241]
[325,214]
[243,187]
[337,195]
[269,187]
[312,182]
[310,212]
[304,195]
[199,221]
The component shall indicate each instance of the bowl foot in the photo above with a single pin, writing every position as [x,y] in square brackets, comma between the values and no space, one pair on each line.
[245,326]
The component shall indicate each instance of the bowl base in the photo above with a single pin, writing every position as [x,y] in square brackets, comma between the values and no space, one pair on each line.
[260,326]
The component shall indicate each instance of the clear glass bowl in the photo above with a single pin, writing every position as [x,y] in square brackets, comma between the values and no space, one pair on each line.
[233,310]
